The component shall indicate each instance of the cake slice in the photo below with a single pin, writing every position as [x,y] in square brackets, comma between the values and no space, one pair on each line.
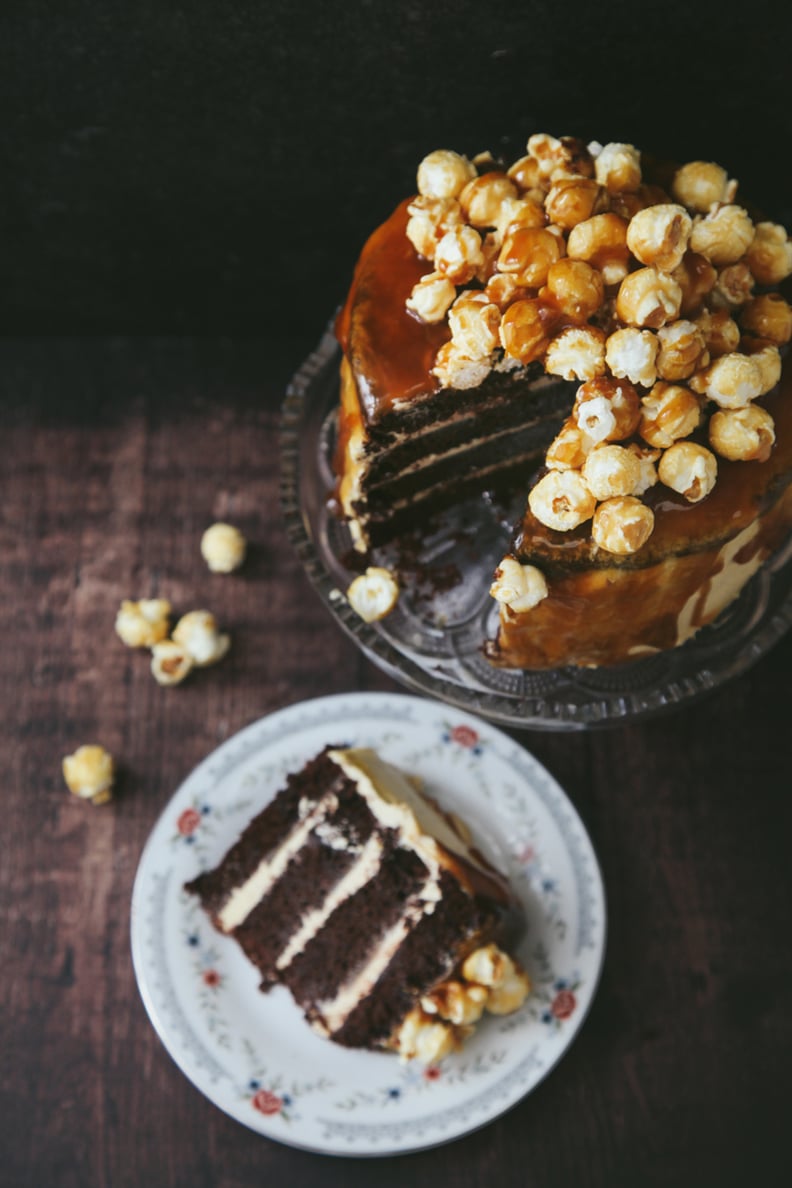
[371,905]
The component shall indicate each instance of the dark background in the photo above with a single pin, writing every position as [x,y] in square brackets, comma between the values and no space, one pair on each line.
[214,168]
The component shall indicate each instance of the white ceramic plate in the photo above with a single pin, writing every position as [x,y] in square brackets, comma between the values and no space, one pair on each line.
[252,1054]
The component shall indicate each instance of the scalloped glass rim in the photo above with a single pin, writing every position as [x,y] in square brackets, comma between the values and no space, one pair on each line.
[445,662]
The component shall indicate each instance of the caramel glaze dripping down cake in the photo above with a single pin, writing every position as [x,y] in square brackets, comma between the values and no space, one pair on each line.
[373,908]
[605,333]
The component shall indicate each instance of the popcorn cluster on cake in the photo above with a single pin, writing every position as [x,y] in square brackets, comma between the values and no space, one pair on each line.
[660,305]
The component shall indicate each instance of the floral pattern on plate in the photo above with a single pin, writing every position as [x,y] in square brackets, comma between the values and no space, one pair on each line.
[253,1055]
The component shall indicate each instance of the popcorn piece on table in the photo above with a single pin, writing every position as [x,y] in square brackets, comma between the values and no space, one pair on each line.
[170,662]
[373,594]
[520,587]
[742,434]
[689,469]
[622,525]
[142,624]
[197,632]
[89,773]
[223,548]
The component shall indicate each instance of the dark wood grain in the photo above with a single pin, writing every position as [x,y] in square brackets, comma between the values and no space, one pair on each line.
[116,455]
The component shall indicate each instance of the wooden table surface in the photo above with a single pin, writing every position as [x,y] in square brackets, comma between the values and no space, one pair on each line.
[116,454]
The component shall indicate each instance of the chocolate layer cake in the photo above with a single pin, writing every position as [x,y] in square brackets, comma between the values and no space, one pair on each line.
[604,334]
[370,905]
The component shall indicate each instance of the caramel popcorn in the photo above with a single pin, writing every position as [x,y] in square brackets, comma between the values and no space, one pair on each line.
[570,447]
[528,254]
[768,316]
[622,525]
[197,632]
[520,587]
[724,235]
[443,174]
[481,198]
[682,350]
[144,623]
[223,548]
[668,413]
[474,322]
[422,1038]
[732,381]
[659,235]
[696,278]
[456,1002]
[455,370]
[170,662]
[373,594]
[631,353]
[689,469]
[648,298]
[647,459]
[742,434]
[721,332]
[575,288]
[559,158]
[573,199]
[429,220]
[769,256]
[432,297]
[618,167]
[527,176]
[519,212]
[733,287]
[702,184]
[602,242]
[607,409]
[577,353]
[767,358]
[523,332]
[458,254]
[503,289]
[562,500]
[89,773]
[611,470]
[507,983]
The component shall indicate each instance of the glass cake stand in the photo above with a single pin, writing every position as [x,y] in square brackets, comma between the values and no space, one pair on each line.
[432,642]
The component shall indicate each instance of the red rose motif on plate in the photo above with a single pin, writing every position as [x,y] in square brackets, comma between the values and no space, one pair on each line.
[211,977]
[188,822]
[563,1004]
[465,736]
[266,1102]
[432,1073]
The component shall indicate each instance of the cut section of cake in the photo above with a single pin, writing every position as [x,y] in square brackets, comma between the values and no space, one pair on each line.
[372,906]
[604,335]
